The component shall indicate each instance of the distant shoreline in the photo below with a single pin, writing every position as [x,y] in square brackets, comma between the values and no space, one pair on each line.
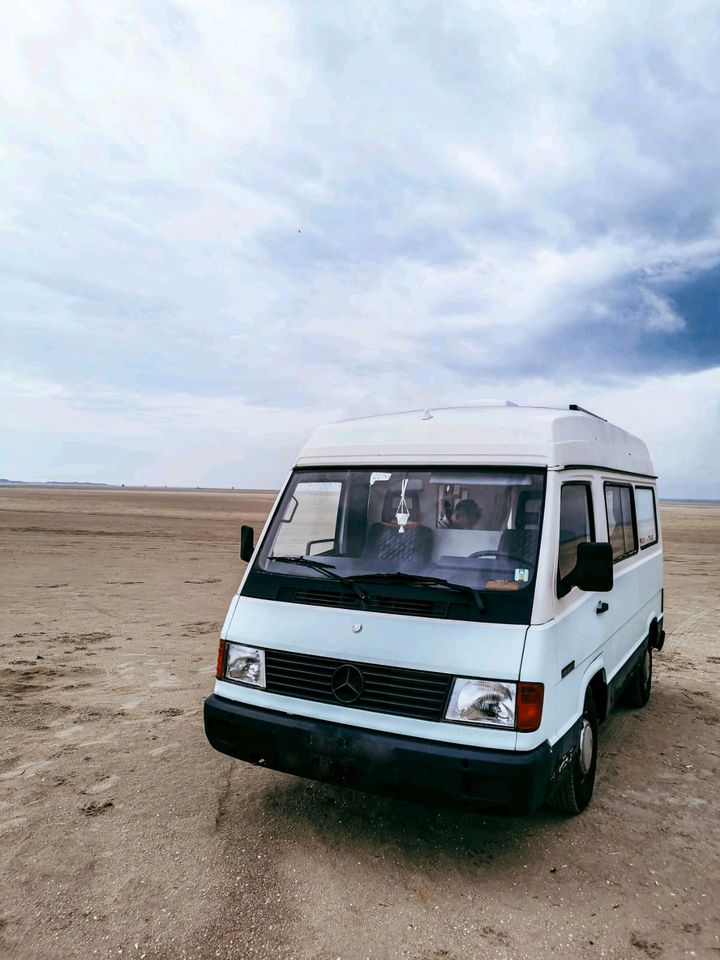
[81,485]
[710,503]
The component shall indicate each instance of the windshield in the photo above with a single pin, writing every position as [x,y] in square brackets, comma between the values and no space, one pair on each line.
[477,528]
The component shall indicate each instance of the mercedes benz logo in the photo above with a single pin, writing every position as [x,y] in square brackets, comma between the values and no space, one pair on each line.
[347,684]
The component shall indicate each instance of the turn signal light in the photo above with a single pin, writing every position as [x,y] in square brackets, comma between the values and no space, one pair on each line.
[220,660]
[529,706]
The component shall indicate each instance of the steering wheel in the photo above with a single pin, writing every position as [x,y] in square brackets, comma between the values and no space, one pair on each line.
[498,553]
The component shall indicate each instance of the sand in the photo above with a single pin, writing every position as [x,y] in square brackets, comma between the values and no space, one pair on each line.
[123,834]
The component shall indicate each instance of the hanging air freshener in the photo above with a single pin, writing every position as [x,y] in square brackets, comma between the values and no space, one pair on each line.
[403,513]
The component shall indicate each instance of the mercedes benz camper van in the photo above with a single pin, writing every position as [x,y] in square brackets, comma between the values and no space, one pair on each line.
[444,604]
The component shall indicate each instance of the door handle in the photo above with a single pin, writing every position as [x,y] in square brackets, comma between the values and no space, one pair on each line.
[602,607]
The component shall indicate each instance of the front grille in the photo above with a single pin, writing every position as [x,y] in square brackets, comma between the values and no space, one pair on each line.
[405,693]
[410,606]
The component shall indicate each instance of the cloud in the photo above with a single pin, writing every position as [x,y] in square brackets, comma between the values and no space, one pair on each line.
[222,222]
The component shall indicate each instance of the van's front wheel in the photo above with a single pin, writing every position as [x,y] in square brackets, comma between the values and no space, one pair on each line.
[573,789]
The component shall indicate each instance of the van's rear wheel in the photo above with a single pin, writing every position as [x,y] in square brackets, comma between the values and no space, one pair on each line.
[573,789]
[637,692]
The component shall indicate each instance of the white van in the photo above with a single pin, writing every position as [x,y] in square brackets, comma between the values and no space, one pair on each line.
[444,604]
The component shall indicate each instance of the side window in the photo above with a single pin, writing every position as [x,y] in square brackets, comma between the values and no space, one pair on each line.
[308,526]
[621,521]
[576,526]
[646,517]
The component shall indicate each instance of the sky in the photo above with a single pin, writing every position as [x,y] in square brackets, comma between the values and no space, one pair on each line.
[225,223]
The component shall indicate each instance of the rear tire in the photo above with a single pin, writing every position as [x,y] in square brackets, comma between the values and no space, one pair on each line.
[573,788]
[637,692]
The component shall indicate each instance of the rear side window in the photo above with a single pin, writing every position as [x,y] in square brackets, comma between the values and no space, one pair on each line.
[621,520]
[646,516]
[576,526]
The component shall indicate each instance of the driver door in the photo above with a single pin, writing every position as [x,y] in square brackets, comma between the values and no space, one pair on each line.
[582,626]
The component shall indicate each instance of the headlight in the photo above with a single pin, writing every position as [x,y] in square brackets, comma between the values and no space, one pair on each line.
[245,664]
[488,702]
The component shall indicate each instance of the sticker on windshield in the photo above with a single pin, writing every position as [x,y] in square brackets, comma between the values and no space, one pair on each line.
[522,574]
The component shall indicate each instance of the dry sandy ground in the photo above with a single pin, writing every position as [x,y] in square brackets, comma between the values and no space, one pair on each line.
[122,834]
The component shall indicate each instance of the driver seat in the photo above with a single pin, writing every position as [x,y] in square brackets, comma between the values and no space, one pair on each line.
[522,541]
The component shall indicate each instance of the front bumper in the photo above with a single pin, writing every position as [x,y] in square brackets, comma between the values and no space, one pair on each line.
[409,767]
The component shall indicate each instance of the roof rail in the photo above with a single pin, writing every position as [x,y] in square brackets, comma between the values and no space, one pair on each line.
[486,402]
[579,409]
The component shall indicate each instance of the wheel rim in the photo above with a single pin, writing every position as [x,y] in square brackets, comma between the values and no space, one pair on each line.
[587,746]
[647,667]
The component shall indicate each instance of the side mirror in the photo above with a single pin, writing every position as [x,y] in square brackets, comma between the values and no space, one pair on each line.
[594,568]
[247,543]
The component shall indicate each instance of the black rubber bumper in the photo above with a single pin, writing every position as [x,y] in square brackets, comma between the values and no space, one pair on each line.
[439,773]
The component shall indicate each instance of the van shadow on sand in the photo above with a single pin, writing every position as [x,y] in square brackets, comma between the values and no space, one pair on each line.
[378,826]
[639,752]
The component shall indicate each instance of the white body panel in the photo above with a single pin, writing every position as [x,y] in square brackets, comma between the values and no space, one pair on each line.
[569,630]
[530,436]
[566,630]
[473,649]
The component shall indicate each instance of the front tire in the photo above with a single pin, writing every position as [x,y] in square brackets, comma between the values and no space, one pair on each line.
[637,692]
[573,788]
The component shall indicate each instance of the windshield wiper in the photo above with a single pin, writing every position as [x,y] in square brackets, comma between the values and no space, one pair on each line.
[420,579]
[328,569]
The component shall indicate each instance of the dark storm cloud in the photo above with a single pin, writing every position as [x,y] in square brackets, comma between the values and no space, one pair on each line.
[343,208]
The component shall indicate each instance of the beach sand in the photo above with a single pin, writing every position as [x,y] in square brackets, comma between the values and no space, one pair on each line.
[122,833]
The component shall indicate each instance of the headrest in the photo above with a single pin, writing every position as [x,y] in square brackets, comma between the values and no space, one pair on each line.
[390,505]
[527,515]
[413,485]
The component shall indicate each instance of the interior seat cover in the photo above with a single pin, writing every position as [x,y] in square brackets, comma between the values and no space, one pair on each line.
[385,542]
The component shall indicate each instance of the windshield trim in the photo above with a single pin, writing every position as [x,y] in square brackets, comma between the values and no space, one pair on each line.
[509,607]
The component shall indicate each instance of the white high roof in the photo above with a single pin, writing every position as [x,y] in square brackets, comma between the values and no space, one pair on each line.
[493,432]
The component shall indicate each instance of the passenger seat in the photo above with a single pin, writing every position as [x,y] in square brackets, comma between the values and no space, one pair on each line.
[385,542]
